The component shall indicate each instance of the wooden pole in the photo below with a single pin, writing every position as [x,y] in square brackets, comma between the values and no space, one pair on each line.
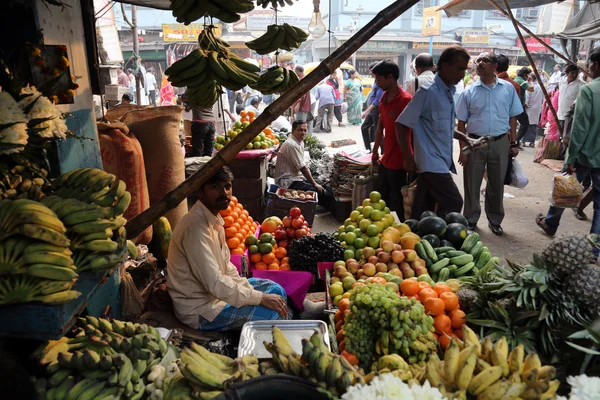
[138,224]
[535,71]
[533,35]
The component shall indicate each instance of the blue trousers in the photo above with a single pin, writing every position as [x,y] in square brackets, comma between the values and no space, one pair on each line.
[581,173]
[235,317]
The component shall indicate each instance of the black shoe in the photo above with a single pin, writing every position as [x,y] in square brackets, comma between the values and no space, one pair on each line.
[540,220]
[471,226]
[496,229]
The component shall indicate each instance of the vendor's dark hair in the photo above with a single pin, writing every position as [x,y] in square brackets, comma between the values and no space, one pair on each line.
[297,123]
[372,65]
[127,96]
[571,68]
[523,72]
[595,55]
[424,60]
[387,67]
[451,54]
[224,174]
[502,63]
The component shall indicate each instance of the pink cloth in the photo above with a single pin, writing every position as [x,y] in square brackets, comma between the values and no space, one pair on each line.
[547,116]
[255,153]
[322,266]
[295,283]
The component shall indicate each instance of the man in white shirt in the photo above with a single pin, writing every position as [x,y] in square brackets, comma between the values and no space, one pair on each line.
[424,68]
[253,106]
[568,91]
[151,82]
[555,78]
[533,107]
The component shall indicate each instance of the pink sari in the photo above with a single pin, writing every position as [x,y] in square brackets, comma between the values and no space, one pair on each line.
[547,116]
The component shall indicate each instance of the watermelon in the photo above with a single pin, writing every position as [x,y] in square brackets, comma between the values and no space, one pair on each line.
[456,217]
[413,224]
[432,225]
[445,243]
[433,240]
[456,234]
[427,214]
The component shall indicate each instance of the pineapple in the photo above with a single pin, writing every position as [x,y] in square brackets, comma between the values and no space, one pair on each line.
[568,253]
[467,299]
[584,287]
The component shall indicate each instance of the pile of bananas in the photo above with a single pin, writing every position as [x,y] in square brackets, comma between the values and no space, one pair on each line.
[275,80]
[487,371]
[286,37]
[35,260]
[205,69]
[188,11]
[20,182]
[273,3]
[209,374]
[104,359]
[317,363]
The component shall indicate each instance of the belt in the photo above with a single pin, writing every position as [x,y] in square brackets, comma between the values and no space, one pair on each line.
[493,139]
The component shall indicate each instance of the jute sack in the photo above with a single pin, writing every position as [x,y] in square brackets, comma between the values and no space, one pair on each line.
[116,113]
[122,156]
[157,129]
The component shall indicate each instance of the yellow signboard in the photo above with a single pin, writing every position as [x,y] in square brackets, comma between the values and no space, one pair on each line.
[432,21]
[476,37]
[438,45]
[181,33]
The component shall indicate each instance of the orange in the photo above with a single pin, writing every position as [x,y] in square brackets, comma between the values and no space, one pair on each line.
[433,306]
[233,242]
[351,358]
[243,113]
[255,258]
[228,221]
[339,316]
[342,346]
[344,304]
[458,318]
[260,265]
[340,335]
[273,267]
[450,300]
[445,340]
[234,200]
[246,214]
[249,217]
[244,232]
[234,214]
[280,253]
[267,130]
[441,288]
[230,232]
[442,324]
[285,267]
[237,251]
[378,280]
[285,260]
[237,226]
[250,113]
[268,258]
[458,333]
[240,236]
[338,325]
[424,285]
[225,212]
[427,293]
[409,287]
[251,119]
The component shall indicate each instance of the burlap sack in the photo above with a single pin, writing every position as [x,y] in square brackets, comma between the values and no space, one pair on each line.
[122,156]
[157,129]
[116,113]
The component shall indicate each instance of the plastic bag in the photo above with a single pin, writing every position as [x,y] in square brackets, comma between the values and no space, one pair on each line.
[363,186]
[566,191]
[408,196]
[344,108]
[518,178]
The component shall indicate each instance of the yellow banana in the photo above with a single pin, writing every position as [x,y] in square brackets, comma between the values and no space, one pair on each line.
[433,371]
[484,379]
[552,389]
[86,216]
[486,349]
[47,247]
[451,361]
[498,360]
[516,359]
[42,233]
[51,287]
[45,257]
[60,297]
[532,361]
[37,218]
[466,370]
[502,346]
[224,363]
[91,227]
[203,375]
[547,372]
[495,391]
[282,344]
[103,245]
[471,338]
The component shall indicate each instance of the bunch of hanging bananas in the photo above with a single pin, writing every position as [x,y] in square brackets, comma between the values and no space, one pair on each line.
[104,359]
[209,374]
[286,37]
[275,80]
[273,3]
[488,371]
[98,239]
[20,182]
[317,363]
[188,11]
[205,69]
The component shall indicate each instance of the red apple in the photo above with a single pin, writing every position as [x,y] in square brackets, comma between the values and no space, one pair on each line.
[284,243]
[280,234]
[291,232]
[295,212]
[300,233]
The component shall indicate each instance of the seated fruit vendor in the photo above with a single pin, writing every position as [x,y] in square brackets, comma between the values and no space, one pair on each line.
[290,170]
[206,289]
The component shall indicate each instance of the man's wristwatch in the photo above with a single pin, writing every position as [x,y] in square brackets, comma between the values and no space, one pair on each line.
[513,145]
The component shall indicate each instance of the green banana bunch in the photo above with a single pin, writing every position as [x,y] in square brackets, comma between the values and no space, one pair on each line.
[188,11]
[32,219]
[24,289]
[273,3]
[275,80]
[286,37]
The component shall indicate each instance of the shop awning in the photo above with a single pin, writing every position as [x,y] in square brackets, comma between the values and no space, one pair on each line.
[457,6]
[584,25]
[158,4]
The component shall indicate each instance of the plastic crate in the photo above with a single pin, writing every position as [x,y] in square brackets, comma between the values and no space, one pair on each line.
[276,206]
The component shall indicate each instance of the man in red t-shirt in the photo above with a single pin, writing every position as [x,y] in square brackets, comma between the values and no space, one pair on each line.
[392,176]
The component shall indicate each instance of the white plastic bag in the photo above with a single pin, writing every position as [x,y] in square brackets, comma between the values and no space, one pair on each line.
[518,178]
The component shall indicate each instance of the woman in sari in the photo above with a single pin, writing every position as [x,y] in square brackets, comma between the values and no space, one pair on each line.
[353,96]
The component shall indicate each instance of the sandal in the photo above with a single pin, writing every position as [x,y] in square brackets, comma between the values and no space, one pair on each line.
[540,220]
[580,215]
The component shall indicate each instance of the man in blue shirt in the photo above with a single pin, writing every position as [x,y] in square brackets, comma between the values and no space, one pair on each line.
[488,107]
[371,114]
[431,115]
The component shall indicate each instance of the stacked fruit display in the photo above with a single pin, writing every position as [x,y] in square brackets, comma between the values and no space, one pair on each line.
[264,140]
[188,11]
[275,80]
[238,226]
[294,225]
[208,67]
[104,359]
[284,37]
[487,370]
[265,254]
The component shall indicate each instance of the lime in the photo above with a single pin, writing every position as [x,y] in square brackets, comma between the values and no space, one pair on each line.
[337,299]
[256,139]
[374,197]
[249,146]
[372,230]
[342,237]
[221,139]
[380,225]
[387,210]
[341,229]
[354,215]
[382,203]
[266,238]
[347,222]
[360,218]
[336,289]
[253,249]
[367,211]
[364,224]
[366,202]
[359,243]
[377,206]
[348,254]
[250,240]
[365,237]
[374,242]
[350,228]
[256,145]
[265,248]
[350,247]
[376,215]
[359,209]
[350,237]
[358,253]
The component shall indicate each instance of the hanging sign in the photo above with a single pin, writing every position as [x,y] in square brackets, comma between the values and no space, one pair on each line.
[432,22]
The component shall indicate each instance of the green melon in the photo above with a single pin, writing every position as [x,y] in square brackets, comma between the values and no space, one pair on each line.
[455,217]
[432,225]
[433,240]
[456,234]
[413,224]
[427,214]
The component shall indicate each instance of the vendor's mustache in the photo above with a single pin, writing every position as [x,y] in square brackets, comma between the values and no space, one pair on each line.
[224,199]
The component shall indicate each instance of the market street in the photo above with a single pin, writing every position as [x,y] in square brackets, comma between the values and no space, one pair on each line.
[521,236]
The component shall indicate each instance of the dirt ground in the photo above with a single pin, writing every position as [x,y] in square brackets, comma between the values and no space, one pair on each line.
[521,236]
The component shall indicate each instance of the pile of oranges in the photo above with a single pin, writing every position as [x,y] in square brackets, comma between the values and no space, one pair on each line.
[269,134]
[247,116]
[238,225]
[277,260]
[442,304]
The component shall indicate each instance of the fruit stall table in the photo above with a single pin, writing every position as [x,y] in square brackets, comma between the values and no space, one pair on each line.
[295,283]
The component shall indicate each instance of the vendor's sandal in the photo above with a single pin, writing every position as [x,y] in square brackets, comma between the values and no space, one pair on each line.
[540,220]
[580,215]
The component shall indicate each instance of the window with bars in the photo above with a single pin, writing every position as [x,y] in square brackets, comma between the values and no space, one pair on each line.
[519,13]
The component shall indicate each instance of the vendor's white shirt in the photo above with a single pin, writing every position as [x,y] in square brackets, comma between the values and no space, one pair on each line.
[290,160]
[281,122]
[567,95]
[425,80]
[534,104]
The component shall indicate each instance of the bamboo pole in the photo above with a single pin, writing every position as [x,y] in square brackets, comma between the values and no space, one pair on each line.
[533,35]
[138,224]
[533,66]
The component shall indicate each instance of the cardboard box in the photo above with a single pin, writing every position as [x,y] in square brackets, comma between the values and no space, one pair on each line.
[254,168]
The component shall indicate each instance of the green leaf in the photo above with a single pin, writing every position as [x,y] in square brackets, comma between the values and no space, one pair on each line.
[583,349]
[488,323]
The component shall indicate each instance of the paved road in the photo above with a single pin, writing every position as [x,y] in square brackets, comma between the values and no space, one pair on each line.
[521,237]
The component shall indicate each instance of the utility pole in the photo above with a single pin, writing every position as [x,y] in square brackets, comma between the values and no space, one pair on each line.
[136,47]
